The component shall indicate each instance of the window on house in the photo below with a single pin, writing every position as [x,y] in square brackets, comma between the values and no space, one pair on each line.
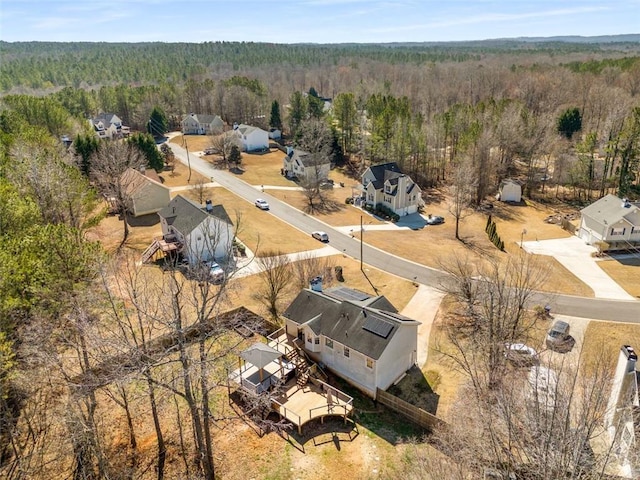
[329,343]
[347,352]
[635,230]
[617,231]
[371,197]
[316,340]
[369,363]
[309,338]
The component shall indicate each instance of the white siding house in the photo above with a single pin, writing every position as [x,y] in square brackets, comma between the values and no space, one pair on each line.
[306,167]
[612,220]
[361,338]
[205,233]
[108,126]
[253,139]
[385,184]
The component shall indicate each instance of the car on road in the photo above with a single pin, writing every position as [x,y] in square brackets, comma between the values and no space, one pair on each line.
[262,204]
[435,220]
[558,338]
[521,355]
[321,236]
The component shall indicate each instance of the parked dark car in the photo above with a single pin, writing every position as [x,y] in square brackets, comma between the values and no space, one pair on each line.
[558,338]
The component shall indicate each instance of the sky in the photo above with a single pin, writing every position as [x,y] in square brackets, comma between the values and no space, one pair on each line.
[311,21]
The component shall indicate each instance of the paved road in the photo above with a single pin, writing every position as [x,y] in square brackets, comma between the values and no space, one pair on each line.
[592,308]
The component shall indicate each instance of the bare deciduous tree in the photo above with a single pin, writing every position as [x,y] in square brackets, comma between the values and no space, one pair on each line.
[108,169]
[223,143]
[275,274]
[461,190]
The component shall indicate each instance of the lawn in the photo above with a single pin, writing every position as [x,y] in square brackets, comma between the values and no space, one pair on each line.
[625,273]
[606,338]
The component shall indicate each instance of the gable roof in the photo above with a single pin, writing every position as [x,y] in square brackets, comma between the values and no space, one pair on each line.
[354,322]
[385,172]
[106,119]
[609,210]
[202,117]
[133,181]
[185,215]
[248,129]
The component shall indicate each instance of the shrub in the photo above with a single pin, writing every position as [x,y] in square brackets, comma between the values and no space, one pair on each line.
[348,200]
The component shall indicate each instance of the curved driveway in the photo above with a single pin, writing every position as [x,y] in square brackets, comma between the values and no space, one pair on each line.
[592,308]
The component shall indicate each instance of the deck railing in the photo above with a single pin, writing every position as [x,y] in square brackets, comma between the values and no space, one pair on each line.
[287,413]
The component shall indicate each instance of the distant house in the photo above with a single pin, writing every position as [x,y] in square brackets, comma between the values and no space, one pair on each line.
[146,194]
[359,337]
[622,417]
[612,220]
[385,184]
[253,139]
[108,126]
[304,166]
[201,124]
[205,233]
[510,191]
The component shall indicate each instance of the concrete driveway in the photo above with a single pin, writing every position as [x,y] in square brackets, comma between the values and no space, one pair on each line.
[423,307]
[575,255]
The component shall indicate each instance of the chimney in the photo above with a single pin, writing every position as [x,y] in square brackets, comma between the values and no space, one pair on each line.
[209,205]
[316,284]
[632,358]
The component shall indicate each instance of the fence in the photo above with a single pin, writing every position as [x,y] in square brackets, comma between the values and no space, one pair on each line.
[416,414]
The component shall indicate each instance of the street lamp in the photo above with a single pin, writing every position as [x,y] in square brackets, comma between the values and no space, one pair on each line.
[524,232]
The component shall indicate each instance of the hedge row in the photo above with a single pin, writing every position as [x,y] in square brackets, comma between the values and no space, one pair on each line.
[493,234]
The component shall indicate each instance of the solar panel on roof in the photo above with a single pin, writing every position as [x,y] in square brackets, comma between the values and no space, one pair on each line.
[343,293]
[377,326]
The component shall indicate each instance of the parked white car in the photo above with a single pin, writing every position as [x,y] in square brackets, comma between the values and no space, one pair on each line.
[321,236]
[262,204]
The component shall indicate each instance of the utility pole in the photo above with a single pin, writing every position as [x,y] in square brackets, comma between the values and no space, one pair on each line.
[361,243]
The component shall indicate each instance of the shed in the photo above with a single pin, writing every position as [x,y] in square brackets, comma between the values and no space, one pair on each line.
[510,191]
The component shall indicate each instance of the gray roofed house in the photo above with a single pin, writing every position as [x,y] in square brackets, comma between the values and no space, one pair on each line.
[108,125]
[360,337]
[253,139]
[385,184]
[201,124]
[612,220]
[146,194]
[306,167]
[205,232]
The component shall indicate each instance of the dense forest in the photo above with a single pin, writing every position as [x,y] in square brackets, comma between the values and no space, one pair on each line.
[560,115]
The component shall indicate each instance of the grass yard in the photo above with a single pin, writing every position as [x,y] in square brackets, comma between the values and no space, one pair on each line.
[179,176]
[339,213]
[625,273]
[606,338]
[258,230]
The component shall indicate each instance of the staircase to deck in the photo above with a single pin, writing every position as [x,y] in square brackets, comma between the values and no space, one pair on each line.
[150,251]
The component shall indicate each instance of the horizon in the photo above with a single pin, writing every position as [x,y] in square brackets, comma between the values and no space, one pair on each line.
[321,22]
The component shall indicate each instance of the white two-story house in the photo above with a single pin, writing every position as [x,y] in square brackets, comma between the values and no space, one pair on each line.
[108,126]
[306,167]
[385,184]
[359,337]
[252,139]
[205,233]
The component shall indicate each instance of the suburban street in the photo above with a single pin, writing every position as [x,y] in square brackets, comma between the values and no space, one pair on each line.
[591,308]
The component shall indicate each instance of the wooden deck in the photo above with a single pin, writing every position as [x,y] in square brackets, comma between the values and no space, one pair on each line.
[301,405]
